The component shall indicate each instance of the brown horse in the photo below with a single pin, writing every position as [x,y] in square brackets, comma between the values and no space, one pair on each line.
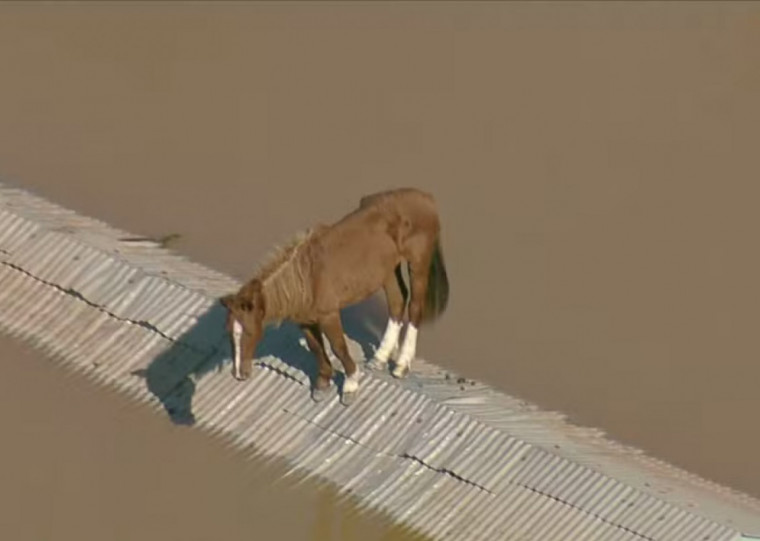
[330,267]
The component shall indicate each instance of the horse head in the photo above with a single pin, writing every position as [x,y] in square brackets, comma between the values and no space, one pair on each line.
[245,322]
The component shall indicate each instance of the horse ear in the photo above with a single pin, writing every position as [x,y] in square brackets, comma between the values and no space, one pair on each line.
[258,295]
[253,287]
[251,291]
[227,301]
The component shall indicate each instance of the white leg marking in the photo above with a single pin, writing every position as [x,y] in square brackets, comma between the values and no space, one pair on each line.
[389,343]
[351,384]
[408,349]
[237,334]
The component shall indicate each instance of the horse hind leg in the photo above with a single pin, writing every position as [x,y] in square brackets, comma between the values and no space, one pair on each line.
[419,267]
[396,295]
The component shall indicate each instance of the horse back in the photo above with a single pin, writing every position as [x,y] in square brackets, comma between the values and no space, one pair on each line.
[404,210]
[398,197]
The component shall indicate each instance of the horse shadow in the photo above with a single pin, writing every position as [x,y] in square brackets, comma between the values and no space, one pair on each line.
[173,375]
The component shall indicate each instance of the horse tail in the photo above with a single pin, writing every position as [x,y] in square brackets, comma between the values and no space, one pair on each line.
[437,294]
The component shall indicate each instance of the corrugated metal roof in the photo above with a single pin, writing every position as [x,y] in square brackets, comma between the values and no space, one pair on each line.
[452,460]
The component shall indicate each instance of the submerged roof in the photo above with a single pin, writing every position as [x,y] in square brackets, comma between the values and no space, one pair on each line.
[452,459]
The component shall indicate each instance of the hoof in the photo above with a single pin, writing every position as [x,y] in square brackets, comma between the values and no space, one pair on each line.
[348,398]
[400,372]
[318,395]
[376,366]
[241,373]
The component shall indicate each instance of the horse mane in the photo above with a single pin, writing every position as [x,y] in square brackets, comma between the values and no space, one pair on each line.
[285,276]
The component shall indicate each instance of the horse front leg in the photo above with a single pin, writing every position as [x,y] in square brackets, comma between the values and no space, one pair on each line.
[333,328]
[321,389]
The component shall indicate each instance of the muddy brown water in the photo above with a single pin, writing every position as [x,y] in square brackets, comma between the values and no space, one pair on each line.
[595,165]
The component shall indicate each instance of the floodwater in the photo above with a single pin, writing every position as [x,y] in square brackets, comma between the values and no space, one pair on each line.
[595,166]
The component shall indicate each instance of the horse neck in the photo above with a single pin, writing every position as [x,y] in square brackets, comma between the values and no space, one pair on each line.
[287,290]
